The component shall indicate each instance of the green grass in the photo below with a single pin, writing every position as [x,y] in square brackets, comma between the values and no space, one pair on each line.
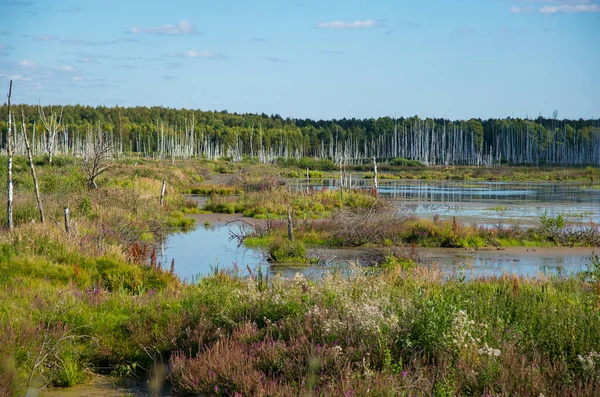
[97,300]
[218,190]
[272,204]
[402,324]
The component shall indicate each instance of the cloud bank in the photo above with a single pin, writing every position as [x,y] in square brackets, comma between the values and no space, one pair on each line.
[341,25]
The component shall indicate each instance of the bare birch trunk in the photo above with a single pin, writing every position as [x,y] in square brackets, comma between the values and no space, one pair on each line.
[162,192]
[290,224]
[307,181]
[31,166]
[341,181]
[9,201]
[67,221]
[375,176]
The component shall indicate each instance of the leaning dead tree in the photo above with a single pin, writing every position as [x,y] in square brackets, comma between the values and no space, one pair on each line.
[9,152]
[98,155]
[51,126]
[31,165]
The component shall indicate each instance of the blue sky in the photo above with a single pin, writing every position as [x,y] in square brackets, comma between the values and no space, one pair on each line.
[309,58]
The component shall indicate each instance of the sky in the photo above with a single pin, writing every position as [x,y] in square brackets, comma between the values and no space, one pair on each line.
[318,59]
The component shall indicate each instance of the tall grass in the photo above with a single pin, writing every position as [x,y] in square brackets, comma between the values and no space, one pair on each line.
[402,331]
[274,202]
[97,301]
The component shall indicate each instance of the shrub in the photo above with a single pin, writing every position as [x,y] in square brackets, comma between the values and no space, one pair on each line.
[284,250]
[399,161]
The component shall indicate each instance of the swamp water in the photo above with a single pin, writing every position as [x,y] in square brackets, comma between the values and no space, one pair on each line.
[197,253]
[201,251]
[486,203]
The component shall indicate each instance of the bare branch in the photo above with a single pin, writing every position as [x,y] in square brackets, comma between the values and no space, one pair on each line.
[99,152]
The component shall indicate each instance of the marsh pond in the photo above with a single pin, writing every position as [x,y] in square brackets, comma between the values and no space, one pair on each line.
[210,245]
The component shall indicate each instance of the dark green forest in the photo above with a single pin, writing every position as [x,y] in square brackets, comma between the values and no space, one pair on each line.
[182,133]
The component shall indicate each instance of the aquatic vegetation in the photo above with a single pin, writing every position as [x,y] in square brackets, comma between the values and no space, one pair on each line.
[215,189]
[274,203]
[385,226]
[284,250]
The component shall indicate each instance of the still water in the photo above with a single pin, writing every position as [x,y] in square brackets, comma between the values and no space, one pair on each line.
[199,252]
[486,203]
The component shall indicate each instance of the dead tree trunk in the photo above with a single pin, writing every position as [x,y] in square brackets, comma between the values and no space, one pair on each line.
[9,201]
[290,224]
[99,149]
[162,192]
[375,176]
[32,168]
[67,221]
[341,181]
[307,181]
[51,125]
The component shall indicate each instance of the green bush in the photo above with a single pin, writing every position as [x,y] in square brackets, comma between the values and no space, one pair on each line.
[177,219]
[399,161]
[283,250]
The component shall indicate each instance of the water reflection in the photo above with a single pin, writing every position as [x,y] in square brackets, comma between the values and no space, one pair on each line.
[496,263]
[485,202]
[200,251]
[197,253]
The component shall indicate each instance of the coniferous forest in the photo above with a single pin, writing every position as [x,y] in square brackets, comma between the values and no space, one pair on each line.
[159,132]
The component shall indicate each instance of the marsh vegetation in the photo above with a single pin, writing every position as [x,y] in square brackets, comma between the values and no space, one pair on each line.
[100,300]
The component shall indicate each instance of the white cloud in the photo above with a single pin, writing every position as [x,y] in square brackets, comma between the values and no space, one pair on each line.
[339,25]
[182,27]
[521,10]
[571,9]
[66,68]
[27,63]
[16,77]
[201,54]
[558,6]
[77,78]
[194,54]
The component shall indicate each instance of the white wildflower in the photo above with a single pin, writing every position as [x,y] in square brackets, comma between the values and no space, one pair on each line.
[336,350]
[488,351]
[588,362]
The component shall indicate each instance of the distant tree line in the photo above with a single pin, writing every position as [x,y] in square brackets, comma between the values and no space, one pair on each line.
[181,133]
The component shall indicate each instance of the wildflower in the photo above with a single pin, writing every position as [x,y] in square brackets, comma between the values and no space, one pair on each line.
[337,350]
[588,363]
[488,351]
